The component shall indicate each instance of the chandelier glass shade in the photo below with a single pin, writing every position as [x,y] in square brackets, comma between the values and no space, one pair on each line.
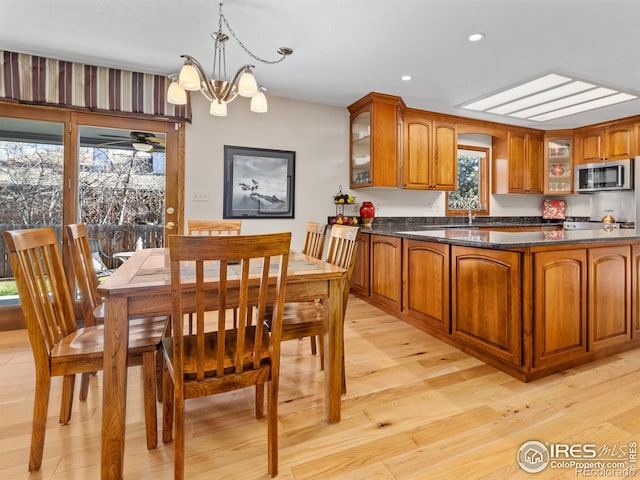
[218,90]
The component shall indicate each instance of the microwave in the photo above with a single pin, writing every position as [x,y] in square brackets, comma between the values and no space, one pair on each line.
[603,176]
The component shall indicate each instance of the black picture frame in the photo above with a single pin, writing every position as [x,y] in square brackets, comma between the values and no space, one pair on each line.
[258,183]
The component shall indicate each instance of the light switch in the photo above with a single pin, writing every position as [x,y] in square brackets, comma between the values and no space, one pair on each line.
[200,196]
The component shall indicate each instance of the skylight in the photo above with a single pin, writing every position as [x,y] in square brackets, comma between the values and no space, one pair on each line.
[549,97]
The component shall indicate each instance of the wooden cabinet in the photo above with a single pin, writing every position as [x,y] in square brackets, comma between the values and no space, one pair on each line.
[485,301]
[609,296]
[635,294]
[385,271]
[360,277]
[517,163]
[375,140]
[558,163]
[429,152]
[582,302]
[615,142]
[426,283]
[560,306]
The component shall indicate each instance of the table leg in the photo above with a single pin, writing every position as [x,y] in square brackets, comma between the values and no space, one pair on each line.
[114,396]
[333,345]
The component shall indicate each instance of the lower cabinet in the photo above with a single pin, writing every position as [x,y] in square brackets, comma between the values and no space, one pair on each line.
[385,271]
[582,302]
[485,301]
[609,296]
[560,306]
[635,294]
[360,277]
[426,283]
[532,311]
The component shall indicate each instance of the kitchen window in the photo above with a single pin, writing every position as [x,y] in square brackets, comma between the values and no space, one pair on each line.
[473,182]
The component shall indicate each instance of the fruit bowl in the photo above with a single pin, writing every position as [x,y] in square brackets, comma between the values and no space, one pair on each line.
[341,219]
[344,199]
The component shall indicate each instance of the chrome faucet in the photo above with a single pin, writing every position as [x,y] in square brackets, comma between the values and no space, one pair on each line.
[471,215]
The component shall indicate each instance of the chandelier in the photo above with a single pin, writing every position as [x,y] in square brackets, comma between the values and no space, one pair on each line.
[218,90]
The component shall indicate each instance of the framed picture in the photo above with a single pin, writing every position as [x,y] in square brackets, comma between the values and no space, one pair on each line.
[258,183]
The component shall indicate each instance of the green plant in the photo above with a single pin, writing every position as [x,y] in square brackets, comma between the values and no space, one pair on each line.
[8,287]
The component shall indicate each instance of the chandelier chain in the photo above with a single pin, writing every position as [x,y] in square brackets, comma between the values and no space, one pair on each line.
[251,54]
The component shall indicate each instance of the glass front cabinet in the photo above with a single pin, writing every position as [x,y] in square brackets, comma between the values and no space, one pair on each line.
[361,149]
[375,140]
[558,164]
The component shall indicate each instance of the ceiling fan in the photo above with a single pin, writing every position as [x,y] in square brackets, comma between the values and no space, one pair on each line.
[140,141]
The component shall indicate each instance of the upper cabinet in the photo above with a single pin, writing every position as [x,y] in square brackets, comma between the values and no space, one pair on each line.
[558,165]
[614,142]
[429,152]
[375,140]
[518,163]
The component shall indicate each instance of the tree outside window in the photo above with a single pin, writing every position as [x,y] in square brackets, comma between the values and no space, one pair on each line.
[473,183]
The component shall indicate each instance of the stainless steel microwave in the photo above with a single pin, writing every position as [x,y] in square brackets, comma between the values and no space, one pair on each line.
[604,176]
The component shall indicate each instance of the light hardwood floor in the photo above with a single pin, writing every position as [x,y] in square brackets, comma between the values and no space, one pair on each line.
[416,408]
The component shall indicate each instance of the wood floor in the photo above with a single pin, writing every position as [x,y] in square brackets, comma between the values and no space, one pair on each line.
[416,408]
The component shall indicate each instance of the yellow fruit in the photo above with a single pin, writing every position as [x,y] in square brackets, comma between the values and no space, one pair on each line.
[339,221]
[355,220]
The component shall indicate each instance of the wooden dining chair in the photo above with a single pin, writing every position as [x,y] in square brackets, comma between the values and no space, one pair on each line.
[93,309]
[215,358]
[59,347]
[209,228]
[214,227]
[314,239]
[304,319]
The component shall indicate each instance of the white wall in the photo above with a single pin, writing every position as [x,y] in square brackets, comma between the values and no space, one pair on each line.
[319,134]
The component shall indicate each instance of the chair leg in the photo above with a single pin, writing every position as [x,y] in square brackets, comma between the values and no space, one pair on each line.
[259,400]
[321,346]
[149,386]
[272,428]
[167,406]
[158,377]
[39,426]
[67,398]
[84,386]
[178,444]
[312,341]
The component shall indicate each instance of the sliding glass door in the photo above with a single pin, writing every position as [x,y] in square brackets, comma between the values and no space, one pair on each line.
[120,176]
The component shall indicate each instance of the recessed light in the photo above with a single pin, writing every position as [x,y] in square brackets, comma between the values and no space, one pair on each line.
[406,78]
[475,37]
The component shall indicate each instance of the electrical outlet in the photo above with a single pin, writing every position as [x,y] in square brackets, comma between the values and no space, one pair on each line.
[200,196]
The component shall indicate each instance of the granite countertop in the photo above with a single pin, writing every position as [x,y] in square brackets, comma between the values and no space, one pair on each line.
[461,234]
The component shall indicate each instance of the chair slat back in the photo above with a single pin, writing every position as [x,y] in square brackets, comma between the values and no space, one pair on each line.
[200,261]
[342,253]
[83,267]
[314,239]
[214,227]
[42,287]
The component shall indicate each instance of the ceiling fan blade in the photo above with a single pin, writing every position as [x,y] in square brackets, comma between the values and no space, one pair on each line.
[114,136]
[157,140]
[113,143]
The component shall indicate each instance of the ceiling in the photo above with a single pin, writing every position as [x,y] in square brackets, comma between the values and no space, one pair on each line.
[344,49]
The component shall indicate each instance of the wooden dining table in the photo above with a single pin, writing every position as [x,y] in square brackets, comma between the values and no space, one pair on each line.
[141,286]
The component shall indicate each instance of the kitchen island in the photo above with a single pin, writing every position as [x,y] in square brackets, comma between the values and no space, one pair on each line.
[530,300]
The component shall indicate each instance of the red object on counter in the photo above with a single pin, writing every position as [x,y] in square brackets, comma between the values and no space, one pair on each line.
[367,213]
[554,209]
